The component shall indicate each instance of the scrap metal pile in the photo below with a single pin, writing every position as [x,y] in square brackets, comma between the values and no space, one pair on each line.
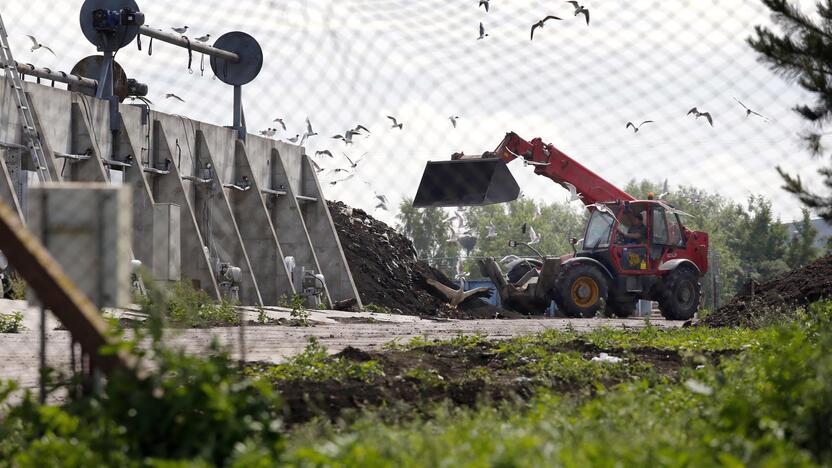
[387,273]
[784,292]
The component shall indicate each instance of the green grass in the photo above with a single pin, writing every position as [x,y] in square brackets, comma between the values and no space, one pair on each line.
[11,323]
[186,307]
[767,406]
[314,364]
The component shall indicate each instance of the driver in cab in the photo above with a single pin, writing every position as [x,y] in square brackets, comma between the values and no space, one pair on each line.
[632,228]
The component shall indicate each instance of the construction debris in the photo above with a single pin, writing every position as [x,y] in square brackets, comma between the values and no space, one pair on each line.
[782,294]
[388,275]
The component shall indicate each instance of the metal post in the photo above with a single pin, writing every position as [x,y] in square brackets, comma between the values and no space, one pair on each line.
[58,77]
[105,80]
[180,41]
[238,112]
[42,355]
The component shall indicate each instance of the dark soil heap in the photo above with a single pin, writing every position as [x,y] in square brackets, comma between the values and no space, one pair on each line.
[782,294]
[387,273]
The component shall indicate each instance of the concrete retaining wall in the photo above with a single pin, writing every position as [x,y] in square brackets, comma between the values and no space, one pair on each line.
[247,204]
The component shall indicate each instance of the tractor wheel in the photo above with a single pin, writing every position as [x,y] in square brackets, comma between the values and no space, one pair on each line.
[582,290]
[680,298]
[621,309]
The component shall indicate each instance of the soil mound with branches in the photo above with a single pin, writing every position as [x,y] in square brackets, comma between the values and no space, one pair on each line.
[388,274]
[780,295]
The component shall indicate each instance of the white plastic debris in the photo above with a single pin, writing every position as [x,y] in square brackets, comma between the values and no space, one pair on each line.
[604,357]
[696,386]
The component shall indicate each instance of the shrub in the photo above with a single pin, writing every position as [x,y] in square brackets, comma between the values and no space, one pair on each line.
[11,323]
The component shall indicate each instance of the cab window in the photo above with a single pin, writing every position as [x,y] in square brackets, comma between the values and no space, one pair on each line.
[674,231]
[598,230]
[660,233]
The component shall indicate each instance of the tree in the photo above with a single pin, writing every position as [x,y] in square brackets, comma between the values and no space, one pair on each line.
[761,242]
[803,53]
[428,228]
[802,250]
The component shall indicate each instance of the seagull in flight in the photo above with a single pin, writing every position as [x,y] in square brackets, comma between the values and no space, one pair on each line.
[382,206]
[637,127]
[346,139]
[492,232]
[483,35]
[37,45]
[280,121]
[540,24]
[665,191]
[181,30]
[204,38]
[381,198]
[534,237]
[573,192]
[485,4]
[324,152]
[698,114]
[354,165]
[580,9]
[453,120]
[396,123]
[360,128]
[173,96]
[748,111]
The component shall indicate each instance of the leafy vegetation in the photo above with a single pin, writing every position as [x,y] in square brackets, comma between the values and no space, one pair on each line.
[314,364]
[184,306]
[767,406]
[11,323]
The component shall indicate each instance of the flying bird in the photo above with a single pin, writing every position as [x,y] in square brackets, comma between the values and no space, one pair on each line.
[382,206]
[323,152]
[698,114]
[492,232]
[580,9]
[485,4]
[37,45]
[280,121]
[573,192]
[173,96]
[204,38]
[396,123]
[540,24]
[453,120]
[317,168]
[181,30]
[309,130]
[381,198]
[458,219]
[455,297]
[636,128]
[665,191]
[483,35]
[346,139]
[269,132]
[354,165]
[360,128]
[534,237]
[748,111]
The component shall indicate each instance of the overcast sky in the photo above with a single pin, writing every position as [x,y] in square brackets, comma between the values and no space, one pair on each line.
[352,61]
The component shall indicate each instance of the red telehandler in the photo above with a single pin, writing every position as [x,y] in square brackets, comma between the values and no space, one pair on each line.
[606,269]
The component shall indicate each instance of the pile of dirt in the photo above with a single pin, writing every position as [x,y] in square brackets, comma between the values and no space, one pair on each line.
[780,295]
[387,273]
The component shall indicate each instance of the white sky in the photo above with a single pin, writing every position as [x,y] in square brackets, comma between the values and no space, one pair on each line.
[356,61]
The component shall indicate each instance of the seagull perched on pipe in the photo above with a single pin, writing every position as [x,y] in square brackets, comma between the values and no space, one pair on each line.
[540,23]
[181,30]
[204,38]
[37,45]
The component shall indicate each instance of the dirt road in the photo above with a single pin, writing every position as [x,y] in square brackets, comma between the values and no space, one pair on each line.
[19,353]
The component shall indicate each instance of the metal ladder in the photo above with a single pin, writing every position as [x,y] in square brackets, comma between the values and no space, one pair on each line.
[30,131]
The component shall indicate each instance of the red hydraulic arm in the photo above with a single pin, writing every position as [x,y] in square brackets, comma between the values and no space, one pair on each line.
[551,162]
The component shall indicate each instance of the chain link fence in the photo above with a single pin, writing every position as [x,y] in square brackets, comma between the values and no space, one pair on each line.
[384,87]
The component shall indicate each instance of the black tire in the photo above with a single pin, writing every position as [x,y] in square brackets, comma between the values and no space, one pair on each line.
[621,309]
[680,298]
[582,290]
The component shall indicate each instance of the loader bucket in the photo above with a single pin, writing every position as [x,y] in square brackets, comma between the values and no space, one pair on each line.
[466,182]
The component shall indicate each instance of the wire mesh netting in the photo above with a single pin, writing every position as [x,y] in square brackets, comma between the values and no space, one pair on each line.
[374,90]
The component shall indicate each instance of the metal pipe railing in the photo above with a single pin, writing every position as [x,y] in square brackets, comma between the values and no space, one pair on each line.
[59,77]
[181,41]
